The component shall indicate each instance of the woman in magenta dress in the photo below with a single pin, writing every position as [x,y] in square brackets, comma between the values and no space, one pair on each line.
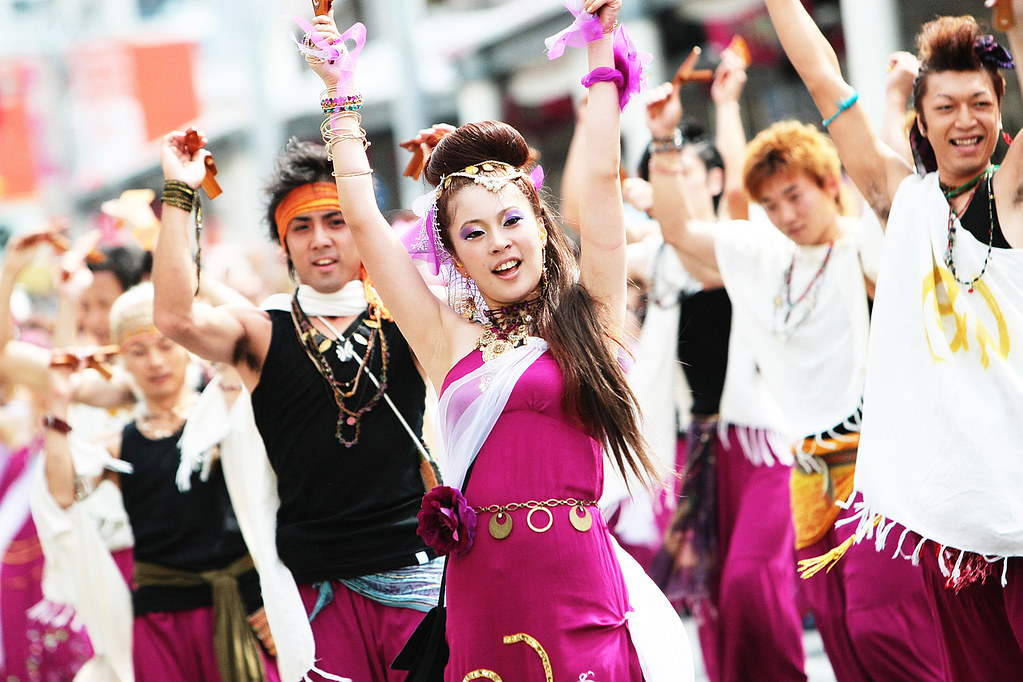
[532,389]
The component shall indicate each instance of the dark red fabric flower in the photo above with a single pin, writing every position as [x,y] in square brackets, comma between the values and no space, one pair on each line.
[446,522]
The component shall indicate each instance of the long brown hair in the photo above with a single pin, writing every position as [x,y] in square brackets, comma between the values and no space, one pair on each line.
[574,324]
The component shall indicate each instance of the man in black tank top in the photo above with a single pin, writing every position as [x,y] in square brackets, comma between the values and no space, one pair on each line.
[194,583]
[338,400]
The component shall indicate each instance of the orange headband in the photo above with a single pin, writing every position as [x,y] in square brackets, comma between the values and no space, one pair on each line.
[316,196]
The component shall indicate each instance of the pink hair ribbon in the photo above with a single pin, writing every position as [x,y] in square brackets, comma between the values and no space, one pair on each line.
[584,29]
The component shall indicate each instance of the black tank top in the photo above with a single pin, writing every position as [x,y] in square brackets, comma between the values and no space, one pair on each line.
[195,530]
[978,220]
[345,511]
[705,321]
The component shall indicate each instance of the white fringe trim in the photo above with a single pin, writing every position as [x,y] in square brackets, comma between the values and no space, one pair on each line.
[761,446]
[54,615]
[863,517]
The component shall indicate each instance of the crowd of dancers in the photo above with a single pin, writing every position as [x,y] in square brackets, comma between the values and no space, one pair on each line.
[757,384]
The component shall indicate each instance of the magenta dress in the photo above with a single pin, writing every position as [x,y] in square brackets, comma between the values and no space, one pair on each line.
[537,605]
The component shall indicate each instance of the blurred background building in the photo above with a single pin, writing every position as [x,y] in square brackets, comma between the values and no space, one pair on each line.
[88,87]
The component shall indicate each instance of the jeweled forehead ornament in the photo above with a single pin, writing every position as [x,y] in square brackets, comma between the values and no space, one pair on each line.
[491,175]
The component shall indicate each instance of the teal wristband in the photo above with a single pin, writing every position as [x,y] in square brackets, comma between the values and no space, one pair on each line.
[842,106]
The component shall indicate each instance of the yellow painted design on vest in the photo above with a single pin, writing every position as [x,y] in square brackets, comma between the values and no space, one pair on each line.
[942,302]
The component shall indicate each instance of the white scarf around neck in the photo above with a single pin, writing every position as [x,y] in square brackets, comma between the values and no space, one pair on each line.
[347,301]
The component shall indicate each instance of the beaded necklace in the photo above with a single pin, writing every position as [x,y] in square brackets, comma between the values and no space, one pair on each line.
[951,193]
[506,328]
[316,344]
[783,303]
[149,423]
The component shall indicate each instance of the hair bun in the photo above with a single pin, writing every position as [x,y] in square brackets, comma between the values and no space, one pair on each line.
[473,143]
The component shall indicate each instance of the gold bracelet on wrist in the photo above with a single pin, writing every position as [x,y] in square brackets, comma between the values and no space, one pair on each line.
[179,195]
[353,174]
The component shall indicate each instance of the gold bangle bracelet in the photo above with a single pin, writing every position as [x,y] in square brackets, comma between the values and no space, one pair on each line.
[353,174]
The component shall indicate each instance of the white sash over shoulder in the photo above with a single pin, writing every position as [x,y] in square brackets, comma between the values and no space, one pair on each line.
[470,406]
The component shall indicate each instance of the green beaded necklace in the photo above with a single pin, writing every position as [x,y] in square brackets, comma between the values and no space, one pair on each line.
[951,193]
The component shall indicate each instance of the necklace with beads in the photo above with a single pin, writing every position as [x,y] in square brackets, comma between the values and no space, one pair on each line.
[953,217]
[154,425]
[506,328]
[316,344]
[784,307]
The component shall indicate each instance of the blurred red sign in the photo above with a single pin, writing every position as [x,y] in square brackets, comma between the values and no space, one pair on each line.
[18,177]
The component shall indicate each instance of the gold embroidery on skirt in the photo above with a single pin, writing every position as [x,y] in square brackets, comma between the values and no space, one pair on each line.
[484,674]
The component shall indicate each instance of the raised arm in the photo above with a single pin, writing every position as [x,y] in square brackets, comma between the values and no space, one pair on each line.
[730,137]
[902,70]
[692,240]
[571,175]
[1008,180]
[23,363]
[58,468]
[426,322]
[875,168]
[601,212]
[217,334]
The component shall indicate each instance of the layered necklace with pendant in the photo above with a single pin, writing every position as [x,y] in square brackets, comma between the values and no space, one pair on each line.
[953,218]
[507,328]
[346,392]
[160,425]
[790,314]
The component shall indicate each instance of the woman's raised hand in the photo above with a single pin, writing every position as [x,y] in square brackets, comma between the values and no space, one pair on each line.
[606,11]
[325,33]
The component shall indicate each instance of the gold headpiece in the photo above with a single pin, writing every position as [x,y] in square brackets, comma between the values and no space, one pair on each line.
[492,175]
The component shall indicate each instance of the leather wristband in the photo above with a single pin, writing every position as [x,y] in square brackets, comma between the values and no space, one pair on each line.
[52,421]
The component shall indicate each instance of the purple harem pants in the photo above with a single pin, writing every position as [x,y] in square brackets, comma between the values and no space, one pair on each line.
[357,637]
[751,629]
[981,626]
[872,613]
[171,646]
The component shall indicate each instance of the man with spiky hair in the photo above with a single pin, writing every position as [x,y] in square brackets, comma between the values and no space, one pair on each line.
[940,447]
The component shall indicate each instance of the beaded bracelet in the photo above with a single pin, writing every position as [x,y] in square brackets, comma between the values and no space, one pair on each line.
[842,106]
[341,101]
[659,145]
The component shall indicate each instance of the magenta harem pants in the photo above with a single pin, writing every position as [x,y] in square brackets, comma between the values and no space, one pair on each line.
[872,613]
[981,627]
[357,637]
[753,631]
[173,646]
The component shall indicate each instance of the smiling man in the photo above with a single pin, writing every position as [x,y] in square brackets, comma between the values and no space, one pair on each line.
[941,433]
[338,400]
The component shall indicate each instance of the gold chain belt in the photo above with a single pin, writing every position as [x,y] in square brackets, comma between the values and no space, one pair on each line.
[501,522]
